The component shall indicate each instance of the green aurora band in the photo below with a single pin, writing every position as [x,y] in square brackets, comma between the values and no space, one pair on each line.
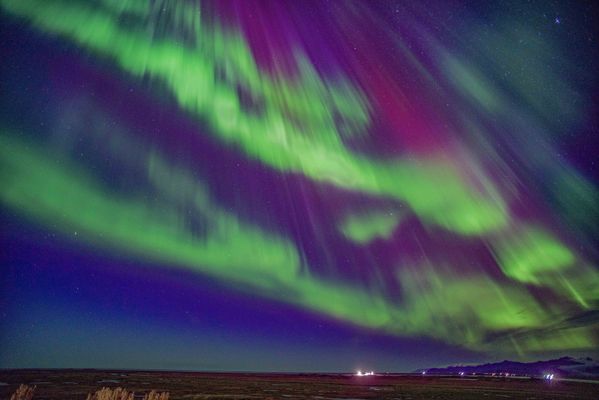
[297,123]
[364,228]
[296,128]
[72,203]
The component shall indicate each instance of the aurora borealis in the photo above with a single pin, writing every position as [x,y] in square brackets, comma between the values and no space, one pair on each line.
[241,185]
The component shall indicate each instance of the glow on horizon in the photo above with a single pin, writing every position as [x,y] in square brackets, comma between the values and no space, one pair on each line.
[368,373]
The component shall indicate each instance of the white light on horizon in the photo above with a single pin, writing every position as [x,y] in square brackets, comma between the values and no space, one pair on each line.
[360,373]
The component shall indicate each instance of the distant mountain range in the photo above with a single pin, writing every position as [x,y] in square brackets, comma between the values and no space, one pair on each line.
[584,368]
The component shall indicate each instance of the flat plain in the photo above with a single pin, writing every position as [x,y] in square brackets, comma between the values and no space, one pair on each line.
[76,384]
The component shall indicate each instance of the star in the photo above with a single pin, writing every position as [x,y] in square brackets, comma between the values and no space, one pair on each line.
[557,20]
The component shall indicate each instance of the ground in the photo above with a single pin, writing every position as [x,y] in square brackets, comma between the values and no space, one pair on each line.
[75,384]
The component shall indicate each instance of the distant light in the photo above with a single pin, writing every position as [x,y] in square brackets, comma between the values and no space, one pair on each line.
[360,373]
[423,372]
[461,373]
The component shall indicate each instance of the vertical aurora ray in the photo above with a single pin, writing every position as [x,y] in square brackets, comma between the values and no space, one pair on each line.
[378,173]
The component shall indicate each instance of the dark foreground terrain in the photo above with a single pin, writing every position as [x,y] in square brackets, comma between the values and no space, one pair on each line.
[75,384]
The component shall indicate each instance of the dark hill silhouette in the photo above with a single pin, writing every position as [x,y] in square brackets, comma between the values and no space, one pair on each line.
[563,367]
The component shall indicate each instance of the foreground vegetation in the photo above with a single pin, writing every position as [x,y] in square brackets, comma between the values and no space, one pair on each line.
[25,392]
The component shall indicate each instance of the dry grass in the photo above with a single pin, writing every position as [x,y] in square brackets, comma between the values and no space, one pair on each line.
[122,394]
[24,392]
[153,395]
[111,394]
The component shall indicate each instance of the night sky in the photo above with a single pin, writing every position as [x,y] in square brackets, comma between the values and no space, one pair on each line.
[297,185]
